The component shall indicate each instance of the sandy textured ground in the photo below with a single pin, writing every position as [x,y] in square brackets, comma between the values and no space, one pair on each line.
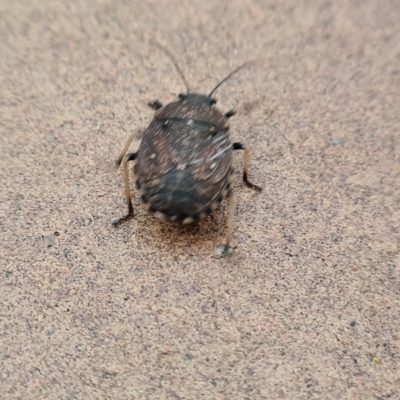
[308,307]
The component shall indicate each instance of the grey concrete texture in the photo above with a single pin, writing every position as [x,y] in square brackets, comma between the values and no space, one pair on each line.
[308,306]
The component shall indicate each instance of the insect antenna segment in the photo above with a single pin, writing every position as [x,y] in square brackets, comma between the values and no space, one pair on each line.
[172,59]
[240,67]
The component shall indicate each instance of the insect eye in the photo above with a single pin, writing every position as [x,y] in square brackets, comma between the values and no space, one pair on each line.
[182,96]
[212,101]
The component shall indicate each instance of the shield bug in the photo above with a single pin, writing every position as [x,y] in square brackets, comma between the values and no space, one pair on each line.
[183,167]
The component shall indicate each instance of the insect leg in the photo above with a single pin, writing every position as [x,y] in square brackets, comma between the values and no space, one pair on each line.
[241,146]
[231,224]
[156,105]
[128,157]
[125,149]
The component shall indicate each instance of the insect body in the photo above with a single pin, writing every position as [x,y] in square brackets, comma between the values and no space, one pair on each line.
[184,162]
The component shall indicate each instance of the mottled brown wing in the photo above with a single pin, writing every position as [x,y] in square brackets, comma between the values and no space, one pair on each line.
[215,157]
[154,157]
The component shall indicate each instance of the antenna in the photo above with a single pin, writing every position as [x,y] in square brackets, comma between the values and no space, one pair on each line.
[230,75]
[172,59]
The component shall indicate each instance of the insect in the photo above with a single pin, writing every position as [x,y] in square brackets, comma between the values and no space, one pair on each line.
[183,166]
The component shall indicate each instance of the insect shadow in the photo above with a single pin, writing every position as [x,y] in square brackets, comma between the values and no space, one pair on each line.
[174,239]
[183,166]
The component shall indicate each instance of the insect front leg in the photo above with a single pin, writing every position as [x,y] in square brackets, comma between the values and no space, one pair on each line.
[241,146]
[125,149]
[128,157]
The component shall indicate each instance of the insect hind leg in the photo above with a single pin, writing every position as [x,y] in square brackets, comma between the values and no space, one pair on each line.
[241,146]
[127,158]
[225,249]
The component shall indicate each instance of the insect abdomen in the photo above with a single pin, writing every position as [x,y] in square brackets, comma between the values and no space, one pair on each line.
[178,197]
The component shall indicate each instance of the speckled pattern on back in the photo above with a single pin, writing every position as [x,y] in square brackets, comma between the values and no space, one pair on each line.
[183,168]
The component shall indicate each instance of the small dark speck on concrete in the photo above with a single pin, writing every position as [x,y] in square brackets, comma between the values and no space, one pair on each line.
[353,323]
[310,382]
[338,141]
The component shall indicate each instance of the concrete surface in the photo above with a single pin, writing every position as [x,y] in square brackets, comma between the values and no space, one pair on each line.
[309,305]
